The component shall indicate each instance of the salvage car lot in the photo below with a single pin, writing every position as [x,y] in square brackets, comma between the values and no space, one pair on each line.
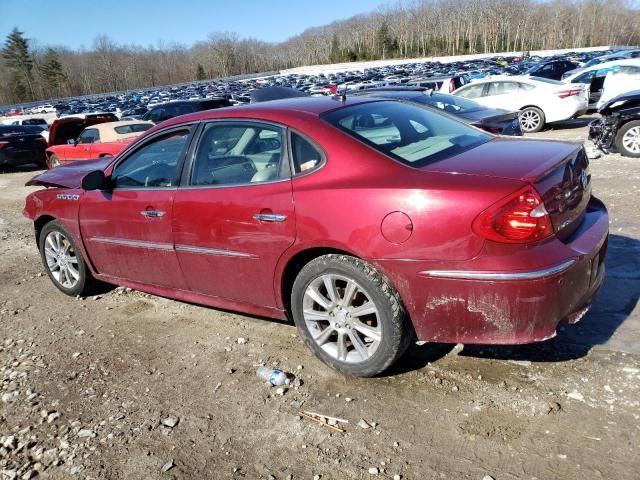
[115,366]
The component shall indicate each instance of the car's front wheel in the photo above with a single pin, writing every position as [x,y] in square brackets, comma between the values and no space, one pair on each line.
[531,119]
[63,261]
[628,139]
[350,315]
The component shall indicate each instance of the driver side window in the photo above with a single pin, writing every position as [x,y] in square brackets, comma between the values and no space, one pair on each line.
[90,135]
[153,165]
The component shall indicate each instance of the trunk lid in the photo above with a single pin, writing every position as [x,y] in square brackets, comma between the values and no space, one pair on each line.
[558,170]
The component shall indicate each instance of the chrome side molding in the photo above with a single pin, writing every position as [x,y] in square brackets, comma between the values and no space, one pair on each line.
[471,275]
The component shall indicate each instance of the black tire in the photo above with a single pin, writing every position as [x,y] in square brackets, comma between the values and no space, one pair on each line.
[53,161]
[85,283]
[620,147]
[529,127]
[394,324]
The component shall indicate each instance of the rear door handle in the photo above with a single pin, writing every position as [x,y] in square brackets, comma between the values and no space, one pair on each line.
[270,217]
[152,213]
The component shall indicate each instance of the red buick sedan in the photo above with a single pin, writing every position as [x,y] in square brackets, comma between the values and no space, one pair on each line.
[370,223]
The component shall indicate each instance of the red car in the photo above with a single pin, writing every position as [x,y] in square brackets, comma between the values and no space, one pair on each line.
[371,223]
[90,136]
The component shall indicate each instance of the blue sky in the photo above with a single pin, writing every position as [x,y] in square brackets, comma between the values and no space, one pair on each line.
[75,23]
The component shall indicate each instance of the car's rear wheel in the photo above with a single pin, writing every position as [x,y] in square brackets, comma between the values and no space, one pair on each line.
[350,315]
[628,139]
[531,119]
[53,161]
[63,261]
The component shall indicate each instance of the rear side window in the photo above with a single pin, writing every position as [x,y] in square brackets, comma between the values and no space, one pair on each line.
[306,157]
[474,91]
[235,153]
[135,128]
[502,88]
[410,134]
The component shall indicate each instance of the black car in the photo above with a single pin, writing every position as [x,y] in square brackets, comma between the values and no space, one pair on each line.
[553,69]
[21,145]
[499,122]
[619,128]
[163,112]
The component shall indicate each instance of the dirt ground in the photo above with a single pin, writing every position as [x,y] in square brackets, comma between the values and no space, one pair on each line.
[125,385]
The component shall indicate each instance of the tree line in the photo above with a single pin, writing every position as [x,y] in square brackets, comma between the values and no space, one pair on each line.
[406,29]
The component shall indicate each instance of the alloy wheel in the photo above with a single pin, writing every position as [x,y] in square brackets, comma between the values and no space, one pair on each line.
[342,318]
[61,259]
[631,140]
[530,120]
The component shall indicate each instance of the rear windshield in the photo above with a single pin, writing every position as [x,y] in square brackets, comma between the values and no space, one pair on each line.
[546,80]
[412,135]
[133,128]
[448,103]
[9,130]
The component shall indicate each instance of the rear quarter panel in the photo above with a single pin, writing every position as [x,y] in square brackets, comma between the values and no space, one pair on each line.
[342,206]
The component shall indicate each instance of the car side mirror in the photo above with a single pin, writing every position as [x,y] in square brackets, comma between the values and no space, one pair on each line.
[95,180]
[72,141]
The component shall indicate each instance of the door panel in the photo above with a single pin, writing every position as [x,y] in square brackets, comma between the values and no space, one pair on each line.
[223,249]
[128,230]
[124,241]
[237,218]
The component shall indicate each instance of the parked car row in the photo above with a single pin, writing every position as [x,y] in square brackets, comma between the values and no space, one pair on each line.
[527,87]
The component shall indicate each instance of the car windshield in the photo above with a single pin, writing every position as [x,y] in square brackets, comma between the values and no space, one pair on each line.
[412,135]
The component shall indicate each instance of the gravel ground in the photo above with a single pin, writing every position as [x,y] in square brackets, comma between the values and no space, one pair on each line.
[125,385]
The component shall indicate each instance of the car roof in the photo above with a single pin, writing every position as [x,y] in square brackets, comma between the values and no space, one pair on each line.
[111,125]
[310,106]
[612,63]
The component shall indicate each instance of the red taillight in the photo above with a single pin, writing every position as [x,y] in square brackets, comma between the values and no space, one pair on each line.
[452,86]
[2,144]
[490,129]
[518,218]
[569,93]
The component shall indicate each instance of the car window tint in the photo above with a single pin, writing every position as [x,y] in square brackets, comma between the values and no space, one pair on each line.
[374,127]
[410,134]
[153,165]
[236,153]
[473,91]
[306,156]
[134,128]
[90,135]
[502,88]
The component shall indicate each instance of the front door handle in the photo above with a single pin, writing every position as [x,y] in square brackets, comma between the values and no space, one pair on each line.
[270,217]
[152,213]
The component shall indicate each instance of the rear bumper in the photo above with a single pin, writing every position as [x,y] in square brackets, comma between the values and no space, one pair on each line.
[568,111]
[506,295]
[22,159]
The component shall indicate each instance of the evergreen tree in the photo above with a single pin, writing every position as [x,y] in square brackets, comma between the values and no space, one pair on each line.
[52,72]
[200,73]
[385,42]
[18,59]
[334,53]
